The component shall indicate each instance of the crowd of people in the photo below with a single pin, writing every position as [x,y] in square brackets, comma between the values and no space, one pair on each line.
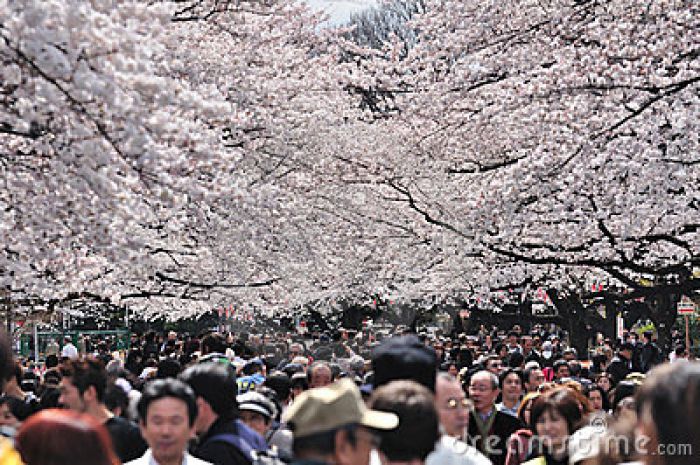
[351,398]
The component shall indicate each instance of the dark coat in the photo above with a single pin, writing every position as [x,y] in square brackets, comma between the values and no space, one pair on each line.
[503,426]
[619,368]
[220,452]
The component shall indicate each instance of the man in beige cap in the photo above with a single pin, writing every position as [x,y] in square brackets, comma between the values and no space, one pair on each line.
[331,425]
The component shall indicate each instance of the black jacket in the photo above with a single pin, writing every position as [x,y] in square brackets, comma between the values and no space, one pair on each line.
[126,439]
[503,426]
[220,452]
[619,368]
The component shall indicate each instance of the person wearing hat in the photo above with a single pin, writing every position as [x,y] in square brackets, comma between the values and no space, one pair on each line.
[331,425]
[406,358]
[256,411]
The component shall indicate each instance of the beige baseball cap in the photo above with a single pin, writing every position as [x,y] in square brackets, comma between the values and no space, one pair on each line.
[327,408]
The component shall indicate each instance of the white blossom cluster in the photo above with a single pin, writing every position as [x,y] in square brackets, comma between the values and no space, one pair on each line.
[180,156]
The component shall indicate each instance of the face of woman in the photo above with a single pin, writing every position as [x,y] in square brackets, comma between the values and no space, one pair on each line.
[7,418]
[604,382]
[453,370]
[552,429]
[596,400]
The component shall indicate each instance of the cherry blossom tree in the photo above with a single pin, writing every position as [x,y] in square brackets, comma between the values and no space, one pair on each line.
[530,136]
[178,156]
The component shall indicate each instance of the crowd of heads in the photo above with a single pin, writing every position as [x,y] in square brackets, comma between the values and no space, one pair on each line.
[505,397]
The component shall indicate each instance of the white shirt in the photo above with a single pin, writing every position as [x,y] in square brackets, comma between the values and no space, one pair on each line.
[501,407]
[69,350]
[452,451]
[147,459]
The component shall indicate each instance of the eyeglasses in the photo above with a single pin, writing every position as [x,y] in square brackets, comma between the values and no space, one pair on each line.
[454,404]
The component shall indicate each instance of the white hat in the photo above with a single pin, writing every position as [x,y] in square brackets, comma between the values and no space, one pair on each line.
[256,402]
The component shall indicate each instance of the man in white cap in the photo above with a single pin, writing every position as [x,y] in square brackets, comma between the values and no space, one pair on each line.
[331,425]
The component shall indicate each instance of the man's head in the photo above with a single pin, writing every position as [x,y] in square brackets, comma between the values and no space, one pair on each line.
[214,343]
[295,349]
[302,361]
[626,350]
[494,364]
[83,384]
[319,374]
[533,377]
[561,369]
[214,385]
[281,384]
[167,412]
[511,384]
[256,411]
[452,405]
[332,424]
[418,428]
[570,354]
[512,339]
[483,390]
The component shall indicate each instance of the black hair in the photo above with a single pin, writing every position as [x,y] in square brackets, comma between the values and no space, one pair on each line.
[418,429]
[162,388]
[116,397]
[509,371]
[622,390]
[216,384]
[606,400]
[560,363]
[527,372]
[168,368]
[18,372]
[19,408]
[213,343]
[575,368]
[85,373]
[280,383]
[515,359]
[51,361]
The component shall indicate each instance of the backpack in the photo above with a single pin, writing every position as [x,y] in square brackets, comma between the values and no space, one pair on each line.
[256,457]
